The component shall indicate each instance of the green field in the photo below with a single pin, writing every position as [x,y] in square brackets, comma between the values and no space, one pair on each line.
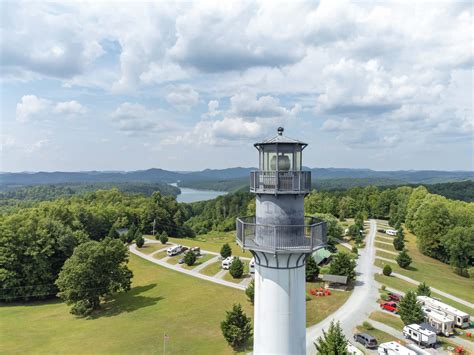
[385,255]
[199,261]
[385,246]
[381,336]
[160,255]
[404,286]
[188,309]
[318,308]
[149,248]
[388,319]
[212,269]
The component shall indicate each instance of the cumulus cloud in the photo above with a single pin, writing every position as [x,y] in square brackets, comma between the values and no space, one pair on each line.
[69,108]
[183,97]
[31,106]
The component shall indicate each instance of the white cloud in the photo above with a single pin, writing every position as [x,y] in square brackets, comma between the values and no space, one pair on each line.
[69,108]
[183,97]
[38,145]
[30,105]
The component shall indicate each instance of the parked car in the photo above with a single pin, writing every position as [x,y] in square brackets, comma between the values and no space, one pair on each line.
[395,297]
[389,306]
[181,261]
[381,230]
[365,339]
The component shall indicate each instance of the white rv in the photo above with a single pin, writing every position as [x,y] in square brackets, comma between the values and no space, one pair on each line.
[252,266]
[391,232]
[420,335]
[438,321]
[352,350]
[174,250]
[227,261]
[394,348]
[461,319]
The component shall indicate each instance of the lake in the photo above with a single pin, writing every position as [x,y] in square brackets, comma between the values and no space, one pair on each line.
[193,195]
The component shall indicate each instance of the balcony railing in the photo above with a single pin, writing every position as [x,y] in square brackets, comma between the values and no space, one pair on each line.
[281,238]
[282,181]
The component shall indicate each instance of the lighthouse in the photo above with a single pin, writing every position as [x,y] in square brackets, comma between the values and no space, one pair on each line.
[280,237]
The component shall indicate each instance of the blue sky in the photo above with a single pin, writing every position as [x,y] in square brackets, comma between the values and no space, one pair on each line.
[191,85]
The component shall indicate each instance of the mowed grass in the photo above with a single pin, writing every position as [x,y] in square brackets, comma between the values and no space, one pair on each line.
[433,272]
[319,307]
[199,261]
[188,309]
[212,269]
[385,246]
[385,255]
[388,319]
[149,248]
[404,286]
[160,255]
[381,336]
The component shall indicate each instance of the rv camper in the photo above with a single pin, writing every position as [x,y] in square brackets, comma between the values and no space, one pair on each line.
[420,335]
[252,266]
[174,250]
[394,348]
[227,261]
[438,321]
[391,232]
[461,319]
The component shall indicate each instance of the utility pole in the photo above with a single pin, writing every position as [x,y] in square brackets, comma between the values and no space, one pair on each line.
[154,222]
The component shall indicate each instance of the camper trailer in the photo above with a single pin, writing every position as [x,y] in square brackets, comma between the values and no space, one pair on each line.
[227,261]
[174,250]
[461,319]
[394,348]
[391,232]
[420,335]
[438,321]
[252,266]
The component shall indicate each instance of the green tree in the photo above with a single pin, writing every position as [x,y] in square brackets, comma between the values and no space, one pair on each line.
[332,342]
[331,245]
[236,268]
[387,270]
[359,220]
[403,259]
[131,234]
[113,232]
[354,230]
[459,243]
[250,291]
[312,269]
[226,250]
[139,240]
[398,243]
[423,289]
[409,309]
[163,237]
[95,270]
[190,258]
[237,327]
[343,264]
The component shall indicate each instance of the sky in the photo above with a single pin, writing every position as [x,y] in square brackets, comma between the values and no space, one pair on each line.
[104,85]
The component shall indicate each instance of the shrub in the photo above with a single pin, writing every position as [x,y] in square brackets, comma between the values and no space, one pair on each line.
[190,258]
[387,270]
[237,327]
[226,250]
[312,269]
[163,238]
[355,250]
[250,291]
[403,259]
[139,240]
[423,289]
[236,268]
[398,243]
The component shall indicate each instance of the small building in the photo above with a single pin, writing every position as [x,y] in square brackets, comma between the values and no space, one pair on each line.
[334,281]
[322,256]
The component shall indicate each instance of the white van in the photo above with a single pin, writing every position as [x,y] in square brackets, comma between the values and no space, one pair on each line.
[252,266]
[394,348]
[391,232]
[174,250]
[227,261]
[420,335]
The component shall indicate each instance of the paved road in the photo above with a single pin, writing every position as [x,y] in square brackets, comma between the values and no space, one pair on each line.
[360,304]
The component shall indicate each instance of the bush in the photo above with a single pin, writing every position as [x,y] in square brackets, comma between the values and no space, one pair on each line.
[163,238]
[140,241]
[403,259]
[226,250]
[367,325]
[355,250]
[237,327]
[398,243]
[190,258]
[250,291]
[423,289]
[236,268]
[387,270]
[312,269]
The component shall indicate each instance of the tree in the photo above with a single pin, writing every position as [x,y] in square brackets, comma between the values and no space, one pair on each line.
[236,268]
[237,327]
[359,220]
[354,231]
[403,259]
[226,250]
[387,270]
[331,245]
[343,264]
[312,269]
[423,289]
[190,258]
[459,243]
[332,342]
[113,232]
[163,237]
[250,291]
[409,309]
[398,243]
[95,270]
[139,240]
[131,233]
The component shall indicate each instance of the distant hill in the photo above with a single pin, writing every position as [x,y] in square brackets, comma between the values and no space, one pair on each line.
[239,175]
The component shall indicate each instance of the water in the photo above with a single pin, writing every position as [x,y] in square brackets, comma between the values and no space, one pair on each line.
[193,195]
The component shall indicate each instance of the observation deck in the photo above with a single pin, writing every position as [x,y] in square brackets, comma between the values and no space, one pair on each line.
[287,182]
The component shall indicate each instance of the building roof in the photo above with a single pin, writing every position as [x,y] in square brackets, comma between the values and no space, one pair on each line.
[335,278]
[281,139]
[321,254]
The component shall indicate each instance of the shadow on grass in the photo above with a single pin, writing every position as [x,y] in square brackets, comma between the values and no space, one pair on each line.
[127,302]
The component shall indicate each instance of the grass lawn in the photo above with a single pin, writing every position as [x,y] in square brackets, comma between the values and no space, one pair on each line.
[385,246]
[161,300]
[228,277]
[212,269]
[160,255]
[201,260]
[404,286]
[388,319]
[381,336]
[434,273]
[385,255]
[173,260]
[149,248]
[318,308]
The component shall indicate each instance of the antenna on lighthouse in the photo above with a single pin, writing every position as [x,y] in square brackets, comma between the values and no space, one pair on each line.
[280,130]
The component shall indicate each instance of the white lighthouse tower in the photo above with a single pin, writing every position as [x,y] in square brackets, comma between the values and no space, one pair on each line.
[280,238]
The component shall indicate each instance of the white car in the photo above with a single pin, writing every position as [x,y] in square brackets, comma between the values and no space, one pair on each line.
[227,261]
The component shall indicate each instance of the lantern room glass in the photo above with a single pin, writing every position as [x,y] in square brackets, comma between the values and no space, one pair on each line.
[280,157]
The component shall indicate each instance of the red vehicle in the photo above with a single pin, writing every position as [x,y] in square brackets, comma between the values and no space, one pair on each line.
[394,297]
[389,306]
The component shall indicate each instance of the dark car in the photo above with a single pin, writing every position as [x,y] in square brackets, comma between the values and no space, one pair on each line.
[365,339]
[181,261]
[394,296]
[183,249]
